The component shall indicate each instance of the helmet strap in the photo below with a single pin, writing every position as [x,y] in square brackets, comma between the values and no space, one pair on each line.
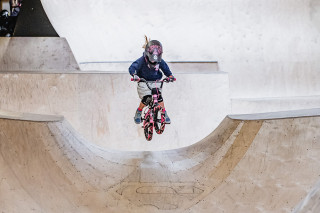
[156,67]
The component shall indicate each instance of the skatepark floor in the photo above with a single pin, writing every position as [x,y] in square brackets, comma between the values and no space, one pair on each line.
[252,163]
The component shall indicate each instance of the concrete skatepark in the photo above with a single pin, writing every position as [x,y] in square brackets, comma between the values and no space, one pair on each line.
[69,144]
[243,166]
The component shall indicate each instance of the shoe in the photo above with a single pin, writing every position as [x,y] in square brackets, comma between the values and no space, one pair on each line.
[137,117]
[168,121]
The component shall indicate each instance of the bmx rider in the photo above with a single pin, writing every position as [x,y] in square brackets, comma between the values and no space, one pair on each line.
[148,67]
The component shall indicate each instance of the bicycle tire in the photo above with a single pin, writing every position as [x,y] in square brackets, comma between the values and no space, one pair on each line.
[159,121]
[148,128]
[148,132]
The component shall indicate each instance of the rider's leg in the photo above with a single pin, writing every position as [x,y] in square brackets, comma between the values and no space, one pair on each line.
[144,93]
[144,101]
[168,121]
[162,104]
[137,116]
[141,106]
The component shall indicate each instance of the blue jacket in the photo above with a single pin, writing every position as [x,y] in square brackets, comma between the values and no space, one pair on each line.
[140,67]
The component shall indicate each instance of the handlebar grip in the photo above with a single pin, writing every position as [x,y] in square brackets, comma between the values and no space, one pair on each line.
[169,80]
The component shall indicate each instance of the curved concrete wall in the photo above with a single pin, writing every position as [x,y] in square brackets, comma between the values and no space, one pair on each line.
[242,166]
[101,106]
[270,48]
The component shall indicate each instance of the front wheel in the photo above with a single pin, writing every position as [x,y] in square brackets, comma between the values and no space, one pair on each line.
[148,128]
[159,119]
[148,132]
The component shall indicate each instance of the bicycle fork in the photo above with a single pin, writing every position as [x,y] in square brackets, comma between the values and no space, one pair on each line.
[150,113]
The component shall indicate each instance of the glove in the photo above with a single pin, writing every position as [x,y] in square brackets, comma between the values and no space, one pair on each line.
[171,78]
[136,78]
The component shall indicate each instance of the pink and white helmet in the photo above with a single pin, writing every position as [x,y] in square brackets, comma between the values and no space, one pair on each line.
[153,53]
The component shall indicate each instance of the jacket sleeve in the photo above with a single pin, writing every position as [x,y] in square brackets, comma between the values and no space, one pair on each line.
[165,68]
[134,67]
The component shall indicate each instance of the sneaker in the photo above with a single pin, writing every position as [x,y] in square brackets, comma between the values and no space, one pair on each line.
[168,121]
[137,117]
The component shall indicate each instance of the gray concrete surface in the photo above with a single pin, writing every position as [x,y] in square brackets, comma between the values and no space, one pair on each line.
[178,67]
[270,48]
[37,54]
[275,104]
[311,203]
[256,165]
[242,166]
[101,106]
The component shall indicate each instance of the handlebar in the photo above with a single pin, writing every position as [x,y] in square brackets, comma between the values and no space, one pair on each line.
[167,80]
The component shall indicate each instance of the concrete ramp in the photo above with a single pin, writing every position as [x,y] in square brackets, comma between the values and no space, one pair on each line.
[311,202]
[242,166]
[36,54]
[101,106]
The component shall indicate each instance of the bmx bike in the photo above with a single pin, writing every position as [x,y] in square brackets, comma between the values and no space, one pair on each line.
[153,116]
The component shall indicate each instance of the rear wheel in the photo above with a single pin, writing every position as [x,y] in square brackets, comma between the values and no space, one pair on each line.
[159,123]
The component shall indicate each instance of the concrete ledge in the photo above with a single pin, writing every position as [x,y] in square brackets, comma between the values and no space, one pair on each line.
[179,67]
[29,116]
[94,72]
[262,105]
[278,115]
[36,54]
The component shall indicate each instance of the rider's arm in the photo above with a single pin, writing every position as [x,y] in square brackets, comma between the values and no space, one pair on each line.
[165,68]
[135,67]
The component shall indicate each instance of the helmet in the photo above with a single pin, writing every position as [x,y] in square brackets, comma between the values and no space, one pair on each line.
[153,53]
[4,14]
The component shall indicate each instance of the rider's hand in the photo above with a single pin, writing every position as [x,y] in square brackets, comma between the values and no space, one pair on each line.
[136,78]
[171,78]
